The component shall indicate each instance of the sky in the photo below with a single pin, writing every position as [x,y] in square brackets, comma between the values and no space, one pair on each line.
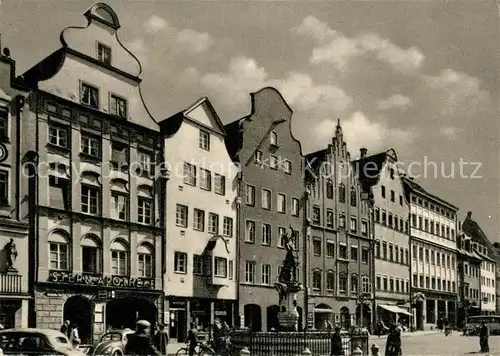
[419,77]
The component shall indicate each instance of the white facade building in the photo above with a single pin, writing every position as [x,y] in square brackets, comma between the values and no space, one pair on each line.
[488,286]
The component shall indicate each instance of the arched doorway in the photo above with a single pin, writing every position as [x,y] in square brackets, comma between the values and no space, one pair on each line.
[345,318]
[253,317]
[78,310]
[323,314]
[364,319]
[419,304]
[124,312]
[272,317]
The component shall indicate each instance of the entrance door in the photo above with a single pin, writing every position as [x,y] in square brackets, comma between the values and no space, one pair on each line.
[78,310]
[178,325]
[125,312]
[420,314]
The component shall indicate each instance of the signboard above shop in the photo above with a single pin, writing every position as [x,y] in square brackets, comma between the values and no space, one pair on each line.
[100,280]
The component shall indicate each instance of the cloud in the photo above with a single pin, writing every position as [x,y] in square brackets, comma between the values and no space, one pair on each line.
[244,75]
[395,101]
[335,48]
[155,24]
[449,132]
[193,41]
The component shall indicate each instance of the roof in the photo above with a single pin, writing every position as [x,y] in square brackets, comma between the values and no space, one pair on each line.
[369,168]
[412,186]
[472,229]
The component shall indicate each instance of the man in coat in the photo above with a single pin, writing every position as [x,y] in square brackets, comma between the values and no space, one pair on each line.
[161,339]
[336,343]
[139,343]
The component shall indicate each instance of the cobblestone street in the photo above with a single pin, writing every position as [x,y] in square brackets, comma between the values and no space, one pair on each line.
[438,344]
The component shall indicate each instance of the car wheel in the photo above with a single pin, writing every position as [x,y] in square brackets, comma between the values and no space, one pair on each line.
[117,353]
[182,352]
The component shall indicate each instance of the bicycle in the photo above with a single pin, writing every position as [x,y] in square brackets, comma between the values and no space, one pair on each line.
[201,349]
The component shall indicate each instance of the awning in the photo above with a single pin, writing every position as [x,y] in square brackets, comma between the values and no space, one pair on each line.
[395,309]
[323,310]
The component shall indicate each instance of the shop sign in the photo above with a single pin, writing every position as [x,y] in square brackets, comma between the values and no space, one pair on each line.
[100,280]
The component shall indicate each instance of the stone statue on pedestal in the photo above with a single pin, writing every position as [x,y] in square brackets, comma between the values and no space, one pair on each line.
[11,252]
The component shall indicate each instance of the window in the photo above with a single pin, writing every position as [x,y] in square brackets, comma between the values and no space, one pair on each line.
[4,124]
[180,262]
[204,140]
[189,174]
[316,280]
[329,219]
[258,157]
[103,53]
[421,253]
[119,154]
[205,179]
[329,189]
[89,95]
[341,193]
[213,223]
[354,253]
[391,252]
[273,162]
[202,265]
[342,221]
[317,246]
[119,259]
[281,236]
[59,255]
[342,282]
[377,214]
[281,202]
[227,229]
[250,231]
[59,189]
[91,145]
[90,200]
[266,199]
[250,195]
[393,196]
[330,249]
[181,216]
[343,251]
[391,172]
[384,250]
[377,248]
[382,191]
[384,217]
[199,220]
[354,283]
[330,281]
[120,206]
[118,106]
[145,211]
[364,254]
[386,285]
[273,138]
[145,261]
[295,207]
[389,220]
[220,267]
[287,166]
[58,136]
[249,272]
[364,228]
[401,200]
[378,283]
[91,255]
[266,274]
[316,215]
[266,234]
[353,197]
[354,224]
[219,184]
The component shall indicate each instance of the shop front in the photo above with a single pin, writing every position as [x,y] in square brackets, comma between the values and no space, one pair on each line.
[96,303]
[203,312]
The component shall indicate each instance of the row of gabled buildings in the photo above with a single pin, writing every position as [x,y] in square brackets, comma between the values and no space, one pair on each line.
[109,215]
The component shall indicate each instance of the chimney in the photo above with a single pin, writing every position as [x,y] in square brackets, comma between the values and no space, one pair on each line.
[469,215]
[363,152]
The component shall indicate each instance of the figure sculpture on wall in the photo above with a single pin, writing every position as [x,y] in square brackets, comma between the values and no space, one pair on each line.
[288,273]
[11,251]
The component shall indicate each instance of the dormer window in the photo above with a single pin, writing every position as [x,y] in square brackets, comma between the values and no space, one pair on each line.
[89,95]
[273,138]
[103,53]
[117,106]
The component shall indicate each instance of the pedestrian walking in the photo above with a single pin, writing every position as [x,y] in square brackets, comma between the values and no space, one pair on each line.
[192,339]
[139,343]
[161,339]
[484,335]
[336,343]
[393,346]
[74,336]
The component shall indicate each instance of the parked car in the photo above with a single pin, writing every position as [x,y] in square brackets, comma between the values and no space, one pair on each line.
[36,342]
[112,343]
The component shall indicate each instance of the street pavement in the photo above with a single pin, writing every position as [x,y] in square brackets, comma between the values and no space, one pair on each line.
[437,344]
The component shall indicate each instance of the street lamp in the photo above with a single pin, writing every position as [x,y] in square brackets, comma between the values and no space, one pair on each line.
[369,198]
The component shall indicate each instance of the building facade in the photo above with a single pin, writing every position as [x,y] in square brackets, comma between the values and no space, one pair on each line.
[201,205]
[433,248]
[271,190]
[339,260]
[496,247]
[15,276]
[486,251]
[91,146]
[469,279]
[392,261]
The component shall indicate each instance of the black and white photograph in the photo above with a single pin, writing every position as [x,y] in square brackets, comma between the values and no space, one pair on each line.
[250,177]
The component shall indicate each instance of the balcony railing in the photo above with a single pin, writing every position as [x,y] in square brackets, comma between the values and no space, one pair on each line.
[11,283]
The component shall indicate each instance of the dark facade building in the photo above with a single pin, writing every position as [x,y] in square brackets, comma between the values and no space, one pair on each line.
[339,251]
[271,194]
[90,148]
[15,277]
[469,279]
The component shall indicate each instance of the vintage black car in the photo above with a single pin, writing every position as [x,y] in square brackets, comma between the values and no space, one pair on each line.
[112,343]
